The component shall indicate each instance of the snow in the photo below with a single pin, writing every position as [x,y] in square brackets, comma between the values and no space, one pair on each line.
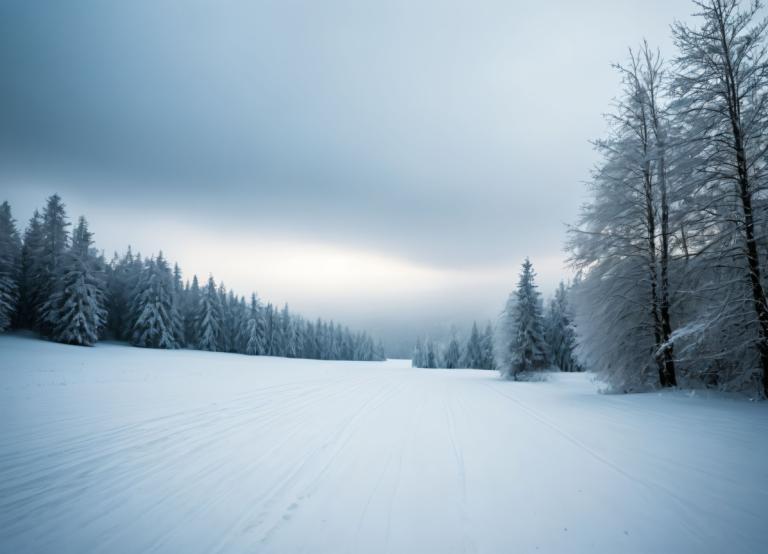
[120,449]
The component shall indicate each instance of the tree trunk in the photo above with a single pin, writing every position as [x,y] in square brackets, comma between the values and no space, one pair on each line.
[745,194]
[668,363]
[753,263]
[650,220]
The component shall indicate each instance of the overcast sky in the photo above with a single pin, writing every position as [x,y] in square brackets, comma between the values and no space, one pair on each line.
[386,163]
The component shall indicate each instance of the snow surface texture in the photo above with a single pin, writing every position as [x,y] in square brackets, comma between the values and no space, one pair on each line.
[119,449]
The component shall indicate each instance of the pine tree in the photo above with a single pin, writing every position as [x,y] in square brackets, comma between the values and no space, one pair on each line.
[189,313]
[488,359]
[452,355]
[10,267]
[121,282]
[179,299]
[524,348]
[209,318]
[157,318]
[75,310]
[417,358]
[560,332]
[255,328]
[473,352]
[55,239]
[431,360]
[31,271]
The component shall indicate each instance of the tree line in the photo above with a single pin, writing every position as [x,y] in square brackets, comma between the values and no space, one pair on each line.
[527,339]
[671,247]
[53,281]
[477,352]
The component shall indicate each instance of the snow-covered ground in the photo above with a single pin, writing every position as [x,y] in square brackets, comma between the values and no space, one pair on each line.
[118,449]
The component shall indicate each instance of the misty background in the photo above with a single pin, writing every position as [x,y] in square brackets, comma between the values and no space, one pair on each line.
[387,165]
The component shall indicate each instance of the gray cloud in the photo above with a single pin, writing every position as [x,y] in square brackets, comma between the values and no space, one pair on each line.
[453,134]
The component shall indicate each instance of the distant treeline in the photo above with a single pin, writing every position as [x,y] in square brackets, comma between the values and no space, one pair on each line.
[477,352]
[527,338]
[54,282]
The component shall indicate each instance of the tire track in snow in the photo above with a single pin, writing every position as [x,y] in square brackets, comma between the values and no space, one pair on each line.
[291,490]
[181,441]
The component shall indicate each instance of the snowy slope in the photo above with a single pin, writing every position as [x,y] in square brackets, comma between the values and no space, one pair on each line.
[119,449]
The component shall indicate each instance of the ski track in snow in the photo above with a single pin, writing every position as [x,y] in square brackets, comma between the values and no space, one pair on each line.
[117,449]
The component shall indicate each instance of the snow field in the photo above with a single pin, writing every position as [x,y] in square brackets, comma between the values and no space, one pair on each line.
[120,449]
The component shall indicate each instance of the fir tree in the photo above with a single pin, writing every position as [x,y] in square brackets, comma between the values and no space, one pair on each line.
[524,348]
[179,299]
[430,355]
[209,318]
[75,310]
[121,281]
[488,360]
[473,351]
[452,355]
[560,332]
[55,239]
[10,267]
[157,317]
[31,272]
[190,310]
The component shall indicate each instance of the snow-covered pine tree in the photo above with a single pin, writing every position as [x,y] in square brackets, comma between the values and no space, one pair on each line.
[417,358]
[157,319]
[255,328]
[380,353]
[10,267]
[75,309]
[189,313]
[292,334]
[31,270]
[209,318]
[473,351]
[523,346]
[452,355]
[488,360]
[241,326]
[179,299]
[227,324]
[560,332]
[55,240]
[431,359]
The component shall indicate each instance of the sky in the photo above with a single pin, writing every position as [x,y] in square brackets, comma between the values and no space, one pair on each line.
[386,164]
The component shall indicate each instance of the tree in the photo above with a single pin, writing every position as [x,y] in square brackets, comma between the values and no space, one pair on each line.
[473,351]
[209,318]
[488,359]
[122,278]
[452,355]
[417,358]
[721,85]
[524,348]
[10,267]
[255,328]
[178,301]
[157,320]
[621,244]
[50,257]
[75,309]
[189,313]
[430,355]
[560,331]
[31,295]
